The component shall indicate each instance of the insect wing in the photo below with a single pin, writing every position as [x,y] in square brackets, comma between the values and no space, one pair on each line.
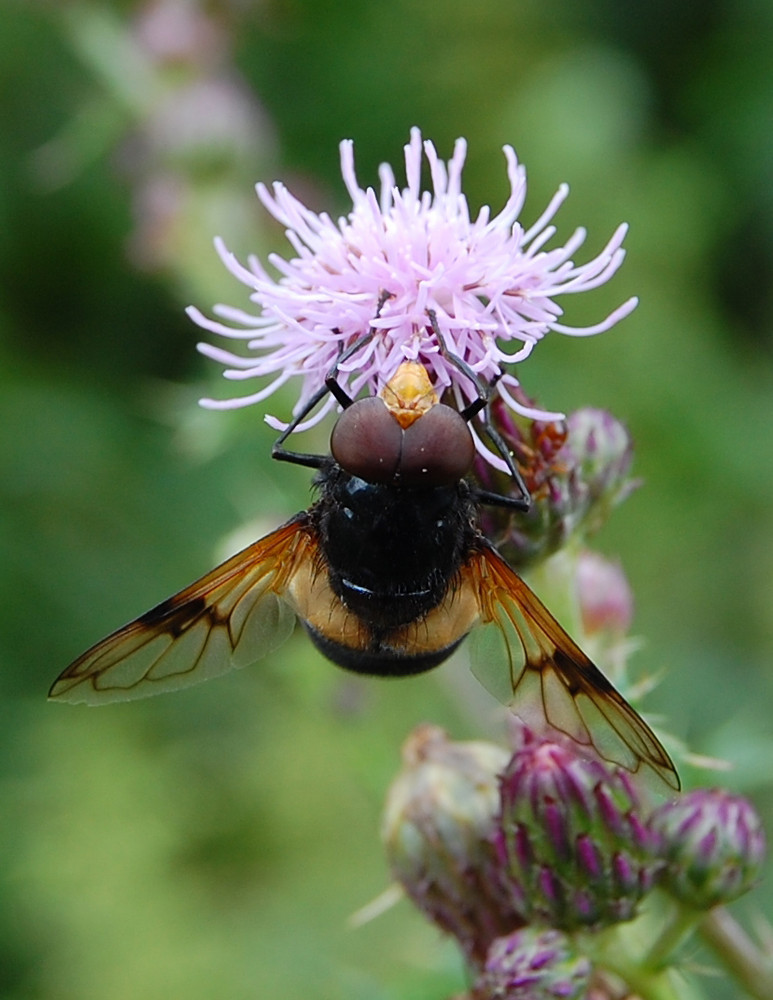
[227,619]
[527,660]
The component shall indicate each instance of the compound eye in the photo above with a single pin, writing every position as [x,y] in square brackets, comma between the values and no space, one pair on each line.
[367,441]
[438,449]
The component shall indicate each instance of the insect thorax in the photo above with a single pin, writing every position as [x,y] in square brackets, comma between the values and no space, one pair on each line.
[392,552]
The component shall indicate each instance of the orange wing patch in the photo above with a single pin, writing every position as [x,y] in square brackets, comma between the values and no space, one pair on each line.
[227,619]
[529,662]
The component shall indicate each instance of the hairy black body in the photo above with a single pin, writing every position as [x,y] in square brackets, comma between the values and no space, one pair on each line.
[392,555]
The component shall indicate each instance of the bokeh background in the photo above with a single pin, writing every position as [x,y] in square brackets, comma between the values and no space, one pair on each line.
[214,843]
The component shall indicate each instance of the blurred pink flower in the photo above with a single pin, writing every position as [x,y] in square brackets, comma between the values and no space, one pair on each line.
[490,283]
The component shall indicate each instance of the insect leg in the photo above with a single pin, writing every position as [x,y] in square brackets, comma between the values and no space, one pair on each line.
[299,458]
[332,386]
[480,405]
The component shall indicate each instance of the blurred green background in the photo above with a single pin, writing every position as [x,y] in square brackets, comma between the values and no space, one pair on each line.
[213,843]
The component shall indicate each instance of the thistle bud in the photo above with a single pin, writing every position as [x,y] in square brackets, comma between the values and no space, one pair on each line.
[571,839]
[603,453]
[438,824]
[713,845]
[532,964]
[577,471]
[604,595]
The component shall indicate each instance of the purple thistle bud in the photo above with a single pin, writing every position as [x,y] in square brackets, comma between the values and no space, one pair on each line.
[577,472]
[713,844]
[532,964]
[572,847]
[438,825]
[489,282]
[605,598]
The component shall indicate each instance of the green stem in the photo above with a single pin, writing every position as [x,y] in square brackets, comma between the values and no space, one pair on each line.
[681,923]
[741,956]
[612,952]
[645,984]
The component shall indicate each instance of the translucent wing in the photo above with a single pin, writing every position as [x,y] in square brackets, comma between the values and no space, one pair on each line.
[529,662]
[229,618]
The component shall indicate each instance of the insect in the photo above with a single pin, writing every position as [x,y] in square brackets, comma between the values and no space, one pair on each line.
[388,573]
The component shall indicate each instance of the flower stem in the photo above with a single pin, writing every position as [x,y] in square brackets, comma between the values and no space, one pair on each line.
[676,930]
[741,956]
[648,985]
[612,952]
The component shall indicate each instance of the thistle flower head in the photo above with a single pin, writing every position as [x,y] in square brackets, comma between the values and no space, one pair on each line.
[398,259]
[533,964]
[437,831]
[577,851]
[577,471]
[714,846]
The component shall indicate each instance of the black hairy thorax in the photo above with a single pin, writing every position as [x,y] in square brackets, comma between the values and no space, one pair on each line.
[392,552]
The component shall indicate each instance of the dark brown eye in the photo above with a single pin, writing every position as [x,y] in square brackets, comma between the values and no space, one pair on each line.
[438,449]
[367,441]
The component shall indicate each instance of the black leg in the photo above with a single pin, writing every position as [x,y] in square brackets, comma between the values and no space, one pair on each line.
[332,386]
[480,405]
[299,458]
[491,499]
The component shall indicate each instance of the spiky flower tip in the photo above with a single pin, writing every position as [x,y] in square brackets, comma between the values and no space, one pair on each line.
[437,830]
[533,964]
[577,471]
[576,850]
[416,268]
[714,846]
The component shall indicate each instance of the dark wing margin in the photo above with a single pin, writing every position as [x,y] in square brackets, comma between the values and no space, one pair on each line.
[227,619]
[527,660]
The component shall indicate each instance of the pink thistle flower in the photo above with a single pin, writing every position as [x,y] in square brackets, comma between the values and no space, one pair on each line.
[489,281]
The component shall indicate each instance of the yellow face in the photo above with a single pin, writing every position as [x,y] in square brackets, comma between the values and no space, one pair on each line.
[409,393]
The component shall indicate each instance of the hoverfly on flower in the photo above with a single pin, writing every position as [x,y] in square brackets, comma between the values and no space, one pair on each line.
[388,570]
